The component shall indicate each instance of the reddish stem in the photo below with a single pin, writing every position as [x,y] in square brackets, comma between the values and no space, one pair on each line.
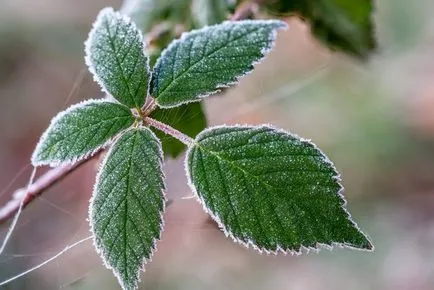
[169,131]
[43,183]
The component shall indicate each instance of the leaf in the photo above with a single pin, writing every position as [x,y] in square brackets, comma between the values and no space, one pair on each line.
[81,130]
[127,204]
[114,54]
[189,119]
[203,61]
[209,12]
[271,190]
[340,24]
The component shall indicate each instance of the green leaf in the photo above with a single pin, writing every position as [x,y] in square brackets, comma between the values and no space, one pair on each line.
[340,24]
[114,54]
[81,130]
[203,61]
[209,12]
[189,119]
[271,190]
[127,204]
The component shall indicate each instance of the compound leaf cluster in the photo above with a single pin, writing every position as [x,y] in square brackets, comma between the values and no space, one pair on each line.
[264,187]
[189,118]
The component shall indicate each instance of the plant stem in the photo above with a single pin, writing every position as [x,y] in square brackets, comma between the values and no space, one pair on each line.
[149,106]
[169,131]
[44,182]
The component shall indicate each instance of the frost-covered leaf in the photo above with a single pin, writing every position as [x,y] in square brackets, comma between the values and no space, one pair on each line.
[203,61]
[271,190]
[209,12]
[127,204]
[189,119]
[340,24]
[80,130]
[114,54]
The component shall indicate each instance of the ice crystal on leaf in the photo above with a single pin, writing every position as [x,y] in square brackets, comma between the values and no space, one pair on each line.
[266,188]
[80,130]
[127,204]
[271,189]
[203,61]
[115,56]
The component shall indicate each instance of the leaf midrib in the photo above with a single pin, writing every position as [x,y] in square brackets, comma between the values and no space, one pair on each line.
[245,173]
[86,127]
[124,80]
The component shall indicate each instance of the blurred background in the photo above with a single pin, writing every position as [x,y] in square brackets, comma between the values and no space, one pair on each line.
[375,120]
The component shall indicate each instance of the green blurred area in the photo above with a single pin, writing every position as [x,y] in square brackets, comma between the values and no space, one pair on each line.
[375,120]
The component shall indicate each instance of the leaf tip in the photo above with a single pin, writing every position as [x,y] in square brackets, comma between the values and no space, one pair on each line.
[367,244]
[88,45]
[37,158]
[279,24]
[110,32]
[34,160]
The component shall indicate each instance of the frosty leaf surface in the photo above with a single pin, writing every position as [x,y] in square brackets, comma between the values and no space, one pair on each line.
[114,54]
[271,190]
[80,130]
[203,61]
[127,205]
[189,119]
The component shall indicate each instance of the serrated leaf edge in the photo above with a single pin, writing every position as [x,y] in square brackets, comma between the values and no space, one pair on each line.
[44,136]
[250,243]
[271,43]
[100,251]
[87,46]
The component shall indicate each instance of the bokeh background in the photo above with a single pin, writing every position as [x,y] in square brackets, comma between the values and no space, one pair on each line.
[375,120]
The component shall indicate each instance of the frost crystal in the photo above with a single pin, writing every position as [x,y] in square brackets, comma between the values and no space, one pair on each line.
[127,204]
[114,54]
[271,190]
[81,130]
[203,61]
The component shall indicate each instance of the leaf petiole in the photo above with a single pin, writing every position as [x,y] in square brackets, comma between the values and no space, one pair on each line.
[187,140]
[149,106]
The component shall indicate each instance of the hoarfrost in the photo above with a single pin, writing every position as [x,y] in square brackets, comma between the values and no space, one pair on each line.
[204,61]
